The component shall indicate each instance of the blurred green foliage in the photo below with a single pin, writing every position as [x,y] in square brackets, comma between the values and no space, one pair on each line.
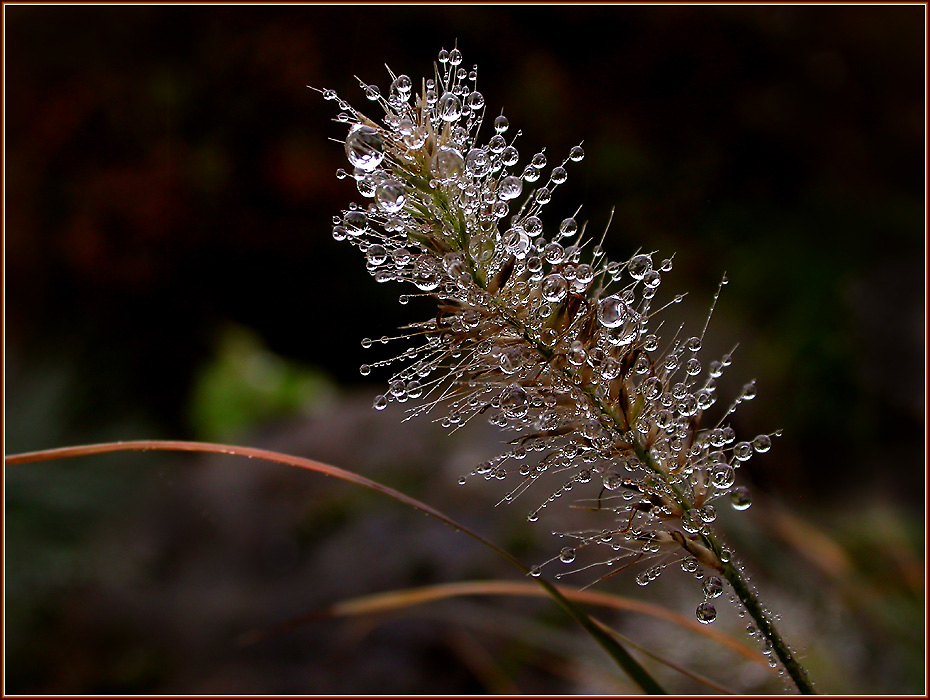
[245,385]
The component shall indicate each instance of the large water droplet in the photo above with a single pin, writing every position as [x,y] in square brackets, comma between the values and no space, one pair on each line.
[568,227]
[364,147]
[376,254]
[390,196]
[612,312]
[567,555]
[762,443]
[514,401]
[510,187]
[713,587]
[723,476]
[511,360]
[447,164]
[740,498]
[639,266]
[651,387]
[356,223]
[554,288]
[510,156]
[402,85]
[706,613]
[380,402]
[475,100]
[449,107]
[742,451]
[478,162]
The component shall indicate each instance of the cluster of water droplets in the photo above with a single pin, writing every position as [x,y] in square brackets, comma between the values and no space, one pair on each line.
[537,331]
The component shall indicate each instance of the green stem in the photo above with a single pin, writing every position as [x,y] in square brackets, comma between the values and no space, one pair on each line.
[616,651]
[768,631]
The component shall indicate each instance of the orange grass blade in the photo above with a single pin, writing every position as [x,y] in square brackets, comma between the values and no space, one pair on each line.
[395,600]
[251,452]
[607,642]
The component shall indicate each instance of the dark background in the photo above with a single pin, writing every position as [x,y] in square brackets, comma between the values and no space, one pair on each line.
[170,273]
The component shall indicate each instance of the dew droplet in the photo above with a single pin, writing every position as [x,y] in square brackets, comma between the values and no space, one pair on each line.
[376,254]
[740,498]
[612,312]
[742,451]
[390,196]
[510,156]
[364,147]
[380,402]
[576,154]
[447,164]
[475,100]
[706,613]
[535,570]
[477,162]
[355,222]
[652,279]
[510,188]
[639,266]
[514,401]
[723,476]
[449,107]
[762,443]
[567,555]
[713,587]
[554,288]
[402,85]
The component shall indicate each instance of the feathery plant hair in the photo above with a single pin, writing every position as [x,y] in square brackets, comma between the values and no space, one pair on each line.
[537,331]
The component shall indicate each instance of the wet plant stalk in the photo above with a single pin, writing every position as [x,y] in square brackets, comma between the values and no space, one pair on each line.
[768,631]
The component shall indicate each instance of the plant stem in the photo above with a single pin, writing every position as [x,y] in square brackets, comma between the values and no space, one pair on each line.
[768,631]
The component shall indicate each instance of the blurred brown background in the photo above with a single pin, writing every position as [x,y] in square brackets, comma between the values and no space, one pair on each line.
[170,273]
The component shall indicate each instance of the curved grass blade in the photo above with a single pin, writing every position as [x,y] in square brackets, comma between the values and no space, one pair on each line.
[608,643]
[395,600]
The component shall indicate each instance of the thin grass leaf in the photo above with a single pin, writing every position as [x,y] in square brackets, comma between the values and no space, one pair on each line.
[608,643]
[390,601]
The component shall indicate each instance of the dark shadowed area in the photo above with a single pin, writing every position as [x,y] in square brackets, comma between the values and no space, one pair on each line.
[170,273]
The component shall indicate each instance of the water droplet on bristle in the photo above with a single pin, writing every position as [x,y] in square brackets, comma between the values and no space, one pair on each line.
[449,107]
[612,312]
[762,443]
[740,498]
[390,196]
[447,164]
[554,288]
[713,587]
[364,147]
[639,266]
[510,188]
[706,613]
